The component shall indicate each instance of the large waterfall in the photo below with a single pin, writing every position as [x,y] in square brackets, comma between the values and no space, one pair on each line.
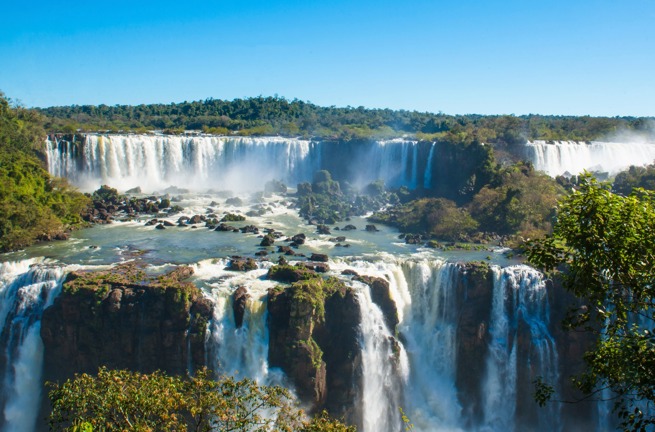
[154,162]
[26,289]
[561,157]
[432,297]
[200,163]
[521,350]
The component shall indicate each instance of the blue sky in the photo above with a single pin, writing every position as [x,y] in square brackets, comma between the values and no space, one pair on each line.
[580,57]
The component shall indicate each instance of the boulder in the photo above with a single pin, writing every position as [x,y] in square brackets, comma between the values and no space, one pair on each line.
[239,303]
[319,257]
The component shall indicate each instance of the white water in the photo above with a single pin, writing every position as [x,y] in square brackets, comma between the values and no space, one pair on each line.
[241,352]
[519,298]
[200,163]
[572,157]
[384,369]
[26,289]
[430,330]
[427,177]
[155,162]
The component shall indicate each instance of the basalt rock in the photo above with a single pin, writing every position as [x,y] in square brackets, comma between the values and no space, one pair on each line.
[239,301]
[123,319]
[381,296]
[238,263]
[314,339]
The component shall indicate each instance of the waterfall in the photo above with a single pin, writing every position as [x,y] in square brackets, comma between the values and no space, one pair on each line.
[26,289]
[242,352]
[196,162]
[427,176]
[384,366]
[521,349]
[200,163]
[560,157]
[430,331]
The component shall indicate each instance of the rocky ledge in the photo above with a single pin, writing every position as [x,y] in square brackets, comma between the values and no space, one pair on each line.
[124,318]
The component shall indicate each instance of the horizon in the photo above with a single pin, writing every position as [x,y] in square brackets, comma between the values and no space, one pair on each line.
[497,58]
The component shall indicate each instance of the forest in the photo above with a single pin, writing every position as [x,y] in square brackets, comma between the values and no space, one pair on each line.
[279,116]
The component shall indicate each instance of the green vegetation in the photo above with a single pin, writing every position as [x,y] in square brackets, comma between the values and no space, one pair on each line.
[118,400]
[634,177]
[517,201]
[278,116]
[99,283]
[33,206]
[604,244]
[325,202]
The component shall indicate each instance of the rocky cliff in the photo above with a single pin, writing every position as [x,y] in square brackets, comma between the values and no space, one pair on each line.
[123,318]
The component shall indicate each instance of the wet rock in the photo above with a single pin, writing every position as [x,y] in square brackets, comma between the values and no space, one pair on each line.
[299,239]
[323,229]
[250,229]
[349,228]
[239,303]
[268,240]
[372,228]
[319,257]
[381,295]
[242,264]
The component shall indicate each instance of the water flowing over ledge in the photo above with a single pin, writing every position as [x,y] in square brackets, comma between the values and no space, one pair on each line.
[155,162]
[561,157]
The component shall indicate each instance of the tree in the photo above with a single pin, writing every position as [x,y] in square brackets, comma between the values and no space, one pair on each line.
[604,245]
[117,400]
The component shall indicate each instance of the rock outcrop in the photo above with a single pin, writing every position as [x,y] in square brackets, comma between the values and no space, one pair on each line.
[314,325]
[123,318]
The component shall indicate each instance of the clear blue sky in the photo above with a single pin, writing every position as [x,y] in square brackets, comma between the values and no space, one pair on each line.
[579,57]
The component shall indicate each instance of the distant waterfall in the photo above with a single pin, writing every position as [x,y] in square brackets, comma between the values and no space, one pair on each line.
[26,289]
[560,157]
[200,163]
[521,349]
[427,176]
[154,162]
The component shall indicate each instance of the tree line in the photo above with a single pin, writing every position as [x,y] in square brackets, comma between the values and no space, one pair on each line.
[279,116]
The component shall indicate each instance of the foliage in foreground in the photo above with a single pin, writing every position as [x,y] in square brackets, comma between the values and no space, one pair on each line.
[33,205]
[605,245]
[118,400]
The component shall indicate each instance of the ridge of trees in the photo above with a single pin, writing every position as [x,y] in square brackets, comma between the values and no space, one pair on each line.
[279,116]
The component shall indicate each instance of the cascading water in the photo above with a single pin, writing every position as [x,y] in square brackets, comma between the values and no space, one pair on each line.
[242,352]
[430,331]
[427,176]
[26,289]
[521,349]
[155,162]
[384,366]
[559,157]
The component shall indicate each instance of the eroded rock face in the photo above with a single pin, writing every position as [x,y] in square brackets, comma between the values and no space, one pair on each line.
[474,298]
[121,318]
[239,303]
[381,296]
[314,334]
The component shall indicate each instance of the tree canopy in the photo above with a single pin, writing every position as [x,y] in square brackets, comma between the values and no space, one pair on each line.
[604,245]
[118,400]
[279,116]
[32,204]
